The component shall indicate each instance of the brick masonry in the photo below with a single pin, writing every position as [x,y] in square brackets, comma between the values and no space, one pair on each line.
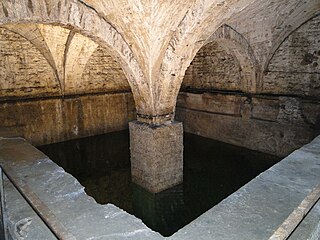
[156,155]
[279,118]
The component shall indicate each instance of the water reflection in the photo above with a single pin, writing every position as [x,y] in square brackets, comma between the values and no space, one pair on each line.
[163,212]
[100,163]
[212,171]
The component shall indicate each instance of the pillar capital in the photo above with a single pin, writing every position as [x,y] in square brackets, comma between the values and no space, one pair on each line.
[156,120]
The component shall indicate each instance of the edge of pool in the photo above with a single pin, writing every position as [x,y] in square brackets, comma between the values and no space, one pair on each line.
[255,211]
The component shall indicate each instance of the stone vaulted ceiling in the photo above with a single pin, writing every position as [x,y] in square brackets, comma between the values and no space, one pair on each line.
[72,59]
[155,40]
[160,34]
[147,25]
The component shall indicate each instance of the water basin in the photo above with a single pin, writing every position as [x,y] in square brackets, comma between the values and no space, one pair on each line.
[212,171]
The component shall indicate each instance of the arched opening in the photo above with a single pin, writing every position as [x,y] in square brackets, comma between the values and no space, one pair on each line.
[294,68]
[214,68]
[277,117]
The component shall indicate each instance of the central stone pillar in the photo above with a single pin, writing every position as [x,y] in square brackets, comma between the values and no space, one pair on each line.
[156,155]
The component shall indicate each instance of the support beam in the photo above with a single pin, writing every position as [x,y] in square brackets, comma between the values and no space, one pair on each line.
[156,155]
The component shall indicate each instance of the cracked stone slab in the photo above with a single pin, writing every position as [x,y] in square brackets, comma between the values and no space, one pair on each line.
[257,209]
[26,224]
[309,228]
[78,213]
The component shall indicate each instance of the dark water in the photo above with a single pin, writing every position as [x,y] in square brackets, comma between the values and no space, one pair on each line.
[212,171]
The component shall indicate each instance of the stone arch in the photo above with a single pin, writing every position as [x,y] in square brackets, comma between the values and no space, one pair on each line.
[80,18]
[25,71]
[213,68]
[295,21]
[110,78]
[199,23]
[293,68]
[33,35]
[80,48]
[234,42]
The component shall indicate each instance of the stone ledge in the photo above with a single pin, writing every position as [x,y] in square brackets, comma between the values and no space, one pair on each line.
[63,195]
[310,226]
[253,212]
[257,209]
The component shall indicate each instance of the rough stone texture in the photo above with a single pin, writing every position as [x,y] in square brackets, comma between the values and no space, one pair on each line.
[295,67]
[276,21]
[225,104]
[81,217]
[265,25]
[156,155]
[285,106]
[24,71]
[155,41]
[107,73]
[213,68]
[275,125]
[55,37]
[257,209]
[55,120]
[77,53]
[84,20]
[22,221]
[34,65]
[198,25]
[47,66]
[309,227]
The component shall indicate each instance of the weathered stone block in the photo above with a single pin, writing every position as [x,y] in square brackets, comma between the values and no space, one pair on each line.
[211,102]
[265,136]
[156,155]
[55,120]
[265,109]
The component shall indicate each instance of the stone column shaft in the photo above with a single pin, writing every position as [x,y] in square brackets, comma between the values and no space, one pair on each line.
[156,155]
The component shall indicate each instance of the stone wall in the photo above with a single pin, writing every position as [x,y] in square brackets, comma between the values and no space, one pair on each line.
[24,71]
[47,96]
[274,125]
[295,67]
[214,68]
[107,73]
[278,118]
[53,120]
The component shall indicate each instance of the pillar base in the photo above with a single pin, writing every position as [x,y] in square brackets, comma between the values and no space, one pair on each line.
[156,155]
